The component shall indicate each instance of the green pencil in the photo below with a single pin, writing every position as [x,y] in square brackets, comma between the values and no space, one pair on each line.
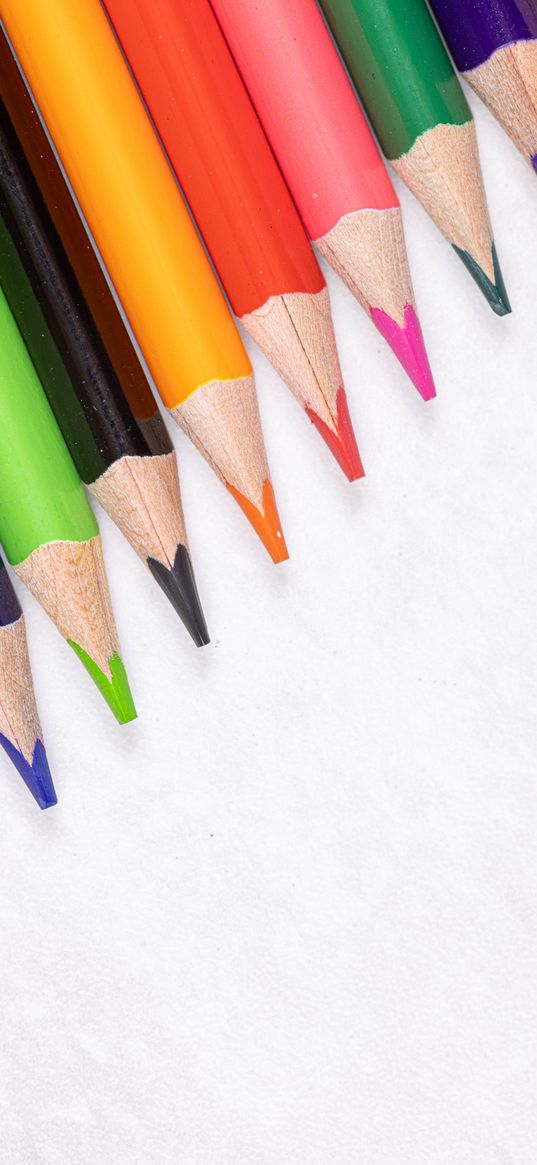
[421,117]
[47,528]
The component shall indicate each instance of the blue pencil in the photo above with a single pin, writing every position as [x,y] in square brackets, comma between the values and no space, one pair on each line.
[20,730]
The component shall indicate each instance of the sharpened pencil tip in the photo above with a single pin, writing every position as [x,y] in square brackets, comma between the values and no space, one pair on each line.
[494,292]
[36,775]
[179,584]
[408,345]
[116,691]
[342,442]
[266,522]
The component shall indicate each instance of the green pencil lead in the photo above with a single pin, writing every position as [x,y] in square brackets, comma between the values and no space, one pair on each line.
[116,691]
[494,292]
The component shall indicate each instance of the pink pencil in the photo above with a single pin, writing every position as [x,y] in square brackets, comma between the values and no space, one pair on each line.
[330,160]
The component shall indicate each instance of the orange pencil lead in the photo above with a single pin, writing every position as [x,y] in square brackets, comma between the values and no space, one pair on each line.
[265,521]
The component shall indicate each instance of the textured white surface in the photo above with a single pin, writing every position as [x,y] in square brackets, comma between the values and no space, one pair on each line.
[290,915]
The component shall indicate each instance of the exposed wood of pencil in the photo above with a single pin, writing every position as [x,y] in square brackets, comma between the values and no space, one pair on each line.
[507,83]
[443,171]
[19,720]
[69,581]
[297,333]
[367,249]
[142,495]
[221,419]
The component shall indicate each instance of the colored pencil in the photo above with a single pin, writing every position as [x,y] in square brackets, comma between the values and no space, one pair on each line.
[330,160]
[47,528]
[148,242]
[131,470]
[494,46]
[20,731]
[76,242]
[419,112]
[222,160]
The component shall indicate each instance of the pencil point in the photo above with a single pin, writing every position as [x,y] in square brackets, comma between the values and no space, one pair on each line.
[408,345]
[116,691]
[179,584]
[533,161]
[36,775]
[266,522]
[495,293]
[342,442]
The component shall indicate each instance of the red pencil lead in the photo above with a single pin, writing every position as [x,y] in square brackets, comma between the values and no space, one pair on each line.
[341,441]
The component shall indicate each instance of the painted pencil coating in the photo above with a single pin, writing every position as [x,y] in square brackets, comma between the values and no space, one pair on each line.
[222,159]
[402,71]
[475,29]
[142,228]
[330,160]
[20,731]
[10,608]
[47,528]
[202,113]
[494,44]
[308,109]
[75,241]
[391,48]
[45,502]
[28,314]
[120,176]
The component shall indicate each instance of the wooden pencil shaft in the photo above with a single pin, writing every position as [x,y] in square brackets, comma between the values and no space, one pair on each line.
[77,245]
[507,83]
[105,410]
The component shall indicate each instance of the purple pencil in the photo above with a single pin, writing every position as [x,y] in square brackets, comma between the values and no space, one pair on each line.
[494,46]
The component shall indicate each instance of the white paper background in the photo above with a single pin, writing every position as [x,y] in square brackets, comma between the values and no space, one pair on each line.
[289,916]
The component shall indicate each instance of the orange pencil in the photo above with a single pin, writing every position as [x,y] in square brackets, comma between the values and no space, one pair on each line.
[147,240]
[222,159]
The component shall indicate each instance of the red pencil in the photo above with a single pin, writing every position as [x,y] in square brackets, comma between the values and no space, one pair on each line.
[237,195]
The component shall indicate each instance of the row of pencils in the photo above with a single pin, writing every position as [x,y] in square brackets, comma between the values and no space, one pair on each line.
[108,112]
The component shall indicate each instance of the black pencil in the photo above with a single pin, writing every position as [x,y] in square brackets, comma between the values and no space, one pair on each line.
[131,469]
